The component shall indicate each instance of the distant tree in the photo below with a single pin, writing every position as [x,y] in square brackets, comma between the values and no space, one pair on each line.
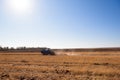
[6,48]
[24,48]
[1,48]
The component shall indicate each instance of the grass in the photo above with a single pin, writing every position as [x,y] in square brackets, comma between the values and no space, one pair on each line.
[33,66]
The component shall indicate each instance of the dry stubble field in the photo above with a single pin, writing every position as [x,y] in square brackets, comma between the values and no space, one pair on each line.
[33,66]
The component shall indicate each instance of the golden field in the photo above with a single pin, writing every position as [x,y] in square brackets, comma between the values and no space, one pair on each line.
[64,66]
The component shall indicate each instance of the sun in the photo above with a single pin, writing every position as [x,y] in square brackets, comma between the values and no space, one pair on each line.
[20,6]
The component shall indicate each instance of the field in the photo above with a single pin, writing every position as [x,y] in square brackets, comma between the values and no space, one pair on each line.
[65,66]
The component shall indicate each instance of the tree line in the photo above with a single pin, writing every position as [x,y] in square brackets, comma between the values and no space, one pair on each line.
[31,49]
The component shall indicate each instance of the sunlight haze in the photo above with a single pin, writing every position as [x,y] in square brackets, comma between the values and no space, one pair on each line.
[19,7]
[60,23]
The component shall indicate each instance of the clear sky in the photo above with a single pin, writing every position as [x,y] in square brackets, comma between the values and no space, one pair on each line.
[60,23]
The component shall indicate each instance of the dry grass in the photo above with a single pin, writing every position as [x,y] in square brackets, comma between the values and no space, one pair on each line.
[33,66]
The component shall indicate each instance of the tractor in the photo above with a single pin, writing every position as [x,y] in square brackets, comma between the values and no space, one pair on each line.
[47,51]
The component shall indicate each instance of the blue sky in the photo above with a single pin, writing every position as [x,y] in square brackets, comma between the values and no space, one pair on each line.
[62,24]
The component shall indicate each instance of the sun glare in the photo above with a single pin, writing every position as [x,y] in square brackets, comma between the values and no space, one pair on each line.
[20,6]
